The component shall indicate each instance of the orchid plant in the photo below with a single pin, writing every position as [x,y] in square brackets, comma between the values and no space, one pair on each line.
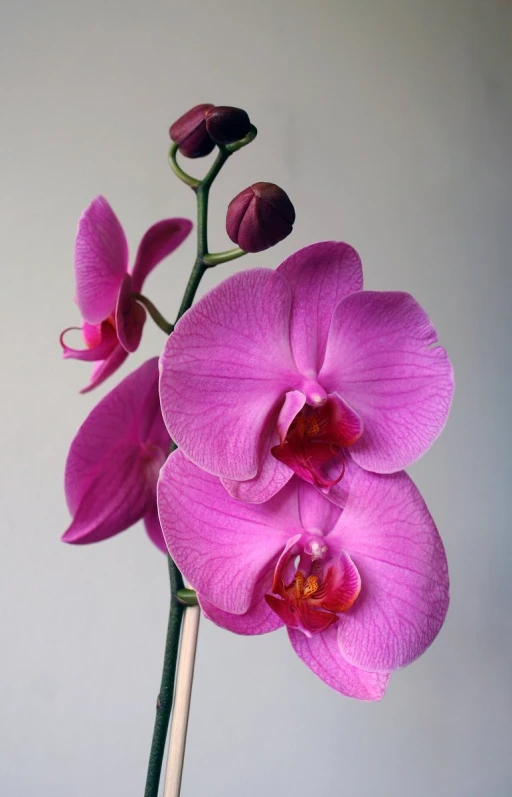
[265,450]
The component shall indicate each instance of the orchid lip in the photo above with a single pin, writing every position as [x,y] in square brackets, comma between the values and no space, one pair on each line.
[98,346]
[310,596]
[316,436]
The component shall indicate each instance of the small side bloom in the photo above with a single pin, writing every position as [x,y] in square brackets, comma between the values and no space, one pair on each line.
[362,588]
[114,461]
[299,371]
[104,284]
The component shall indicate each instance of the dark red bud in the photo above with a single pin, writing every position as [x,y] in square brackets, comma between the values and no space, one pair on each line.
[227,125]
[260,217]
[190,134]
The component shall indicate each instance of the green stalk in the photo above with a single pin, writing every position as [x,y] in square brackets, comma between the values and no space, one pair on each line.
[155,314]
[202,192]
[165,696]
[178,596]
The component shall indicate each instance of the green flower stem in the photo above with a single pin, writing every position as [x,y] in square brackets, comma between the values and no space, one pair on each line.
[193,182]
[202,192]
[181,598]
[236,145]
[165,696]
[155,314]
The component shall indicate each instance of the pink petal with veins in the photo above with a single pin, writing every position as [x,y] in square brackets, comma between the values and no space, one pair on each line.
[101,261]
[157,243]
[381,359]
[320,276]
[114,460]
[259,619]
[391,538]
[224,370]
[222,546]
[322,655]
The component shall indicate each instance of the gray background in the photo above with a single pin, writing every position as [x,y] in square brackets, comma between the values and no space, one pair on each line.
[390,125]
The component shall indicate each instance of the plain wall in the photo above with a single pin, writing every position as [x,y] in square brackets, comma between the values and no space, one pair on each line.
[389,123]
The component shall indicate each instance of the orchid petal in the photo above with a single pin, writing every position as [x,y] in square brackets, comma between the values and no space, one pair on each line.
[159,241]
[322,655]
[154,529]
[271,477]
[320,276]
[101,261]
[259,619]
[292,405]
[380,358]
[318,515]
[224,370]
[391,537]
[117,497]
[221,546]
[106,368]
[119,418]
[130,317]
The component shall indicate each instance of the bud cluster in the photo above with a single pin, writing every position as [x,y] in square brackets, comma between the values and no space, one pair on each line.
[259,216]
[203,126]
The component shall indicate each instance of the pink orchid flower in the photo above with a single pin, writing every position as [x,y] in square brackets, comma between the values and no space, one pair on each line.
[112,319]
[113,463]
[288,371]
[362,589]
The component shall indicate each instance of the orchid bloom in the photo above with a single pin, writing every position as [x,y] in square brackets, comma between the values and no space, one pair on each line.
[112,319]
[298,370]
[362,588]
[113,463]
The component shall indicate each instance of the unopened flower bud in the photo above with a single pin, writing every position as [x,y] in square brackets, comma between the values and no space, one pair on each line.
[260,217]
[227,125]
[190,134]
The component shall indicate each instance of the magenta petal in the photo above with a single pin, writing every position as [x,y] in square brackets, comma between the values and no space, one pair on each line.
[118,419]
[154,529]
[114,460]
[130,317]
[221,546]
[271,477]
[106,368]
[317,513]
[391,537]
[259,619]
[224,370]
[380,357]
[101,261]
[292,405]
[117,497]
[103,348]
[159,241]
[322,655]
[320,276]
